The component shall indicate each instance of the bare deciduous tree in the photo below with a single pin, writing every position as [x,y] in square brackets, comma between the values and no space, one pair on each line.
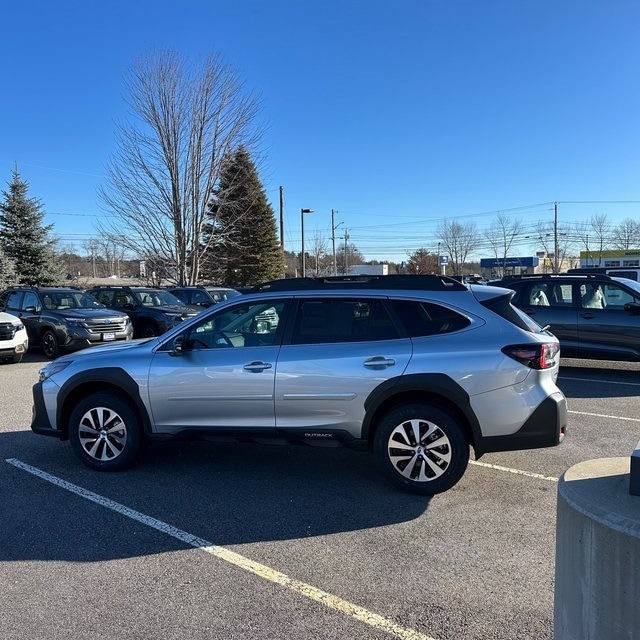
[600,227]
[547,236]
[319,252]
[501,236]
[168,160]
[459,240]
[627,234]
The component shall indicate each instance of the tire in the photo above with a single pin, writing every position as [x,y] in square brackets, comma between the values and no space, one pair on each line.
[148,331]
[105,432]
[421,448]
[50,344]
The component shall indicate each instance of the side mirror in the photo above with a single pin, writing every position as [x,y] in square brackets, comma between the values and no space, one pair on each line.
[178,345]
[633,308]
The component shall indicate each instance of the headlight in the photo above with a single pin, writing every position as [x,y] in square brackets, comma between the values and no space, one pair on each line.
[19,326]
[73,322]
[52,369]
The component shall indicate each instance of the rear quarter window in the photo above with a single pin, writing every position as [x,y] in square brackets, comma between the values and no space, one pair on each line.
[501,305]
[428,319]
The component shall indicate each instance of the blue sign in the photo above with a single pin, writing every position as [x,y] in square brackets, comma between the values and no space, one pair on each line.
[442,260]
[490,263]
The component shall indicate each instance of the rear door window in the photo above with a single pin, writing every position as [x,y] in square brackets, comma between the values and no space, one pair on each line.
[329,320]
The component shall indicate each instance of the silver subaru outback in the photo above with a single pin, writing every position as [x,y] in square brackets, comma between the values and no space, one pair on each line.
[417,369]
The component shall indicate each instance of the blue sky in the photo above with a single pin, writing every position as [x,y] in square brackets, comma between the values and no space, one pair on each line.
[397,114]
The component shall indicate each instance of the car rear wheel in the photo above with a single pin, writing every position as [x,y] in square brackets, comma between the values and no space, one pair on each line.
[422,448]
[50,344]
[105,432]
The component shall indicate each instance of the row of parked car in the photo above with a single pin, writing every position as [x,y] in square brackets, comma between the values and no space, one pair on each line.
[593,315]
[59,320]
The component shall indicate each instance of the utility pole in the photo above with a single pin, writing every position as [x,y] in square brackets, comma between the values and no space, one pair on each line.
[282,219]
[556,266]
[284,275]
[333,243]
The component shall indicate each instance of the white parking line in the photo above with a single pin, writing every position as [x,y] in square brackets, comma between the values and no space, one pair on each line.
[632,384]
[604,415]
[323,597]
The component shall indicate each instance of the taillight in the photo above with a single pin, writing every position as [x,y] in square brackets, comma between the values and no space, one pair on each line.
[534,356]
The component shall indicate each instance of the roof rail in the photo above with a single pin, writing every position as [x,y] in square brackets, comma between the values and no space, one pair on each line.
[591,276]
[410,282]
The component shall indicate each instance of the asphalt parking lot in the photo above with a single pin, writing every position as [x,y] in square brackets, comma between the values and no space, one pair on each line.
[209,540]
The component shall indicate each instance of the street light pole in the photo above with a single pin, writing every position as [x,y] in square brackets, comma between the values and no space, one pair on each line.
[346,255]
[302,212]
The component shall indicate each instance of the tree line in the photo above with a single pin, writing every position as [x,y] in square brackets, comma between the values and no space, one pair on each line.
[184,203]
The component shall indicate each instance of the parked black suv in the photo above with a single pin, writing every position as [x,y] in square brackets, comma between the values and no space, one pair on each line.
[152,311]
[203,295]
[594,316]
[63,319]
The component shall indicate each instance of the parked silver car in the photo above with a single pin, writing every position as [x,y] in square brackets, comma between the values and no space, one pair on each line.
[417,368]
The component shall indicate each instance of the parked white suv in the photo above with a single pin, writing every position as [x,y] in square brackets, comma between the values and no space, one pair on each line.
[416,368]
[14,342]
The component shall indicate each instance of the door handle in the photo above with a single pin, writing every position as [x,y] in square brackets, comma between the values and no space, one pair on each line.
[379,362]
[257,366]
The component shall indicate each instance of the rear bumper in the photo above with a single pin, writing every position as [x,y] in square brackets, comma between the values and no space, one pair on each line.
[546,427]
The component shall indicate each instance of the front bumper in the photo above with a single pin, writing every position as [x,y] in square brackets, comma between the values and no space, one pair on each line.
[40,422]
[7,352]
[77,340]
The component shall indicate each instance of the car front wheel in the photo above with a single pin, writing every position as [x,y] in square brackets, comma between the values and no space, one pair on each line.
[421,448]
[148,331]
[50,344]
[105,432]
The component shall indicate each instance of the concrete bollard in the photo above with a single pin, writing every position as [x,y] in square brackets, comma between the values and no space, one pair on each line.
[597,587]
[634,479]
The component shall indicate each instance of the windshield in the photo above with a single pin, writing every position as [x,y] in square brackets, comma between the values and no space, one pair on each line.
[157,298]
[223,294]
[60,300]
[632,284]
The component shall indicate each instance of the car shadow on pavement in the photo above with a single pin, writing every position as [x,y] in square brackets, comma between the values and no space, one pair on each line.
[224,493]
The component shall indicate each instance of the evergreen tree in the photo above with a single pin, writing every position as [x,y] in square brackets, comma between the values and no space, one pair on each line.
[242,237]
[24,239]
[8,276]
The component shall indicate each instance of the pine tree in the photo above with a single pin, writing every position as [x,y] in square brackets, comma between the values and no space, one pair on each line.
[8,276]
[24,239]
[243,243]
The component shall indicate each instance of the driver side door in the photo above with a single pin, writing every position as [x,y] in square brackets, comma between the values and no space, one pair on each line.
[225,377]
